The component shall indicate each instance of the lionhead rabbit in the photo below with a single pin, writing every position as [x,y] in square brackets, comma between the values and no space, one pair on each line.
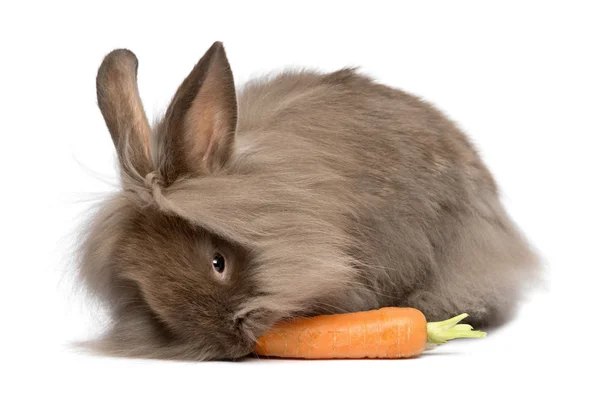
[304,193]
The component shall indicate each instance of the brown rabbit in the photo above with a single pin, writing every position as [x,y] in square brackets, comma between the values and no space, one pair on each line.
[305,193]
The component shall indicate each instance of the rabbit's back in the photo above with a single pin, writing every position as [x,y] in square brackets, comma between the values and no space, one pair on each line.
[361,129]
[428,226]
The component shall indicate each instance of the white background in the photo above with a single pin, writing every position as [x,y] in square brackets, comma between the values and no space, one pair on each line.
[521,78]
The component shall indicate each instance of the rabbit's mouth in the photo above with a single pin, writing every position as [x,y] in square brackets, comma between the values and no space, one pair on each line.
[251,325]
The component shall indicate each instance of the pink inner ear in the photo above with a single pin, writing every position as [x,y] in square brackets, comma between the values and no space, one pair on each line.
[198,132]
[207,125]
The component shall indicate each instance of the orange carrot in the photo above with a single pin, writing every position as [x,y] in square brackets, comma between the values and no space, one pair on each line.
[383,333]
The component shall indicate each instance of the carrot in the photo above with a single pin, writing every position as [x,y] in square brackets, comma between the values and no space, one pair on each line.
[383,333]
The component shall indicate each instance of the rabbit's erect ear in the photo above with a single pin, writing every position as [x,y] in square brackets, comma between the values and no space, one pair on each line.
[120,104]
[198,130]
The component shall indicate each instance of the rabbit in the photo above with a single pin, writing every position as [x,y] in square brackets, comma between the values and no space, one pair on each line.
[303,193]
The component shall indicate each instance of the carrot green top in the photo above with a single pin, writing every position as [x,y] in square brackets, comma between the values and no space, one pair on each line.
[440,332]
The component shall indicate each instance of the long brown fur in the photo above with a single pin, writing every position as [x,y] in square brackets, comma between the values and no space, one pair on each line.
[323,192]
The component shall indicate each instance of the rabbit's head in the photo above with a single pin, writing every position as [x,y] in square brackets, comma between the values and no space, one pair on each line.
[175,288]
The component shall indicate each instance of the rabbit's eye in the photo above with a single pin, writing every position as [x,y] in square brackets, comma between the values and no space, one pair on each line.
[218,263]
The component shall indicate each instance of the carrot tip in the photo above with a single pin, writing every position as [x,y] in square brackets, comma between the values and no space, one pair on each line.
[443,331]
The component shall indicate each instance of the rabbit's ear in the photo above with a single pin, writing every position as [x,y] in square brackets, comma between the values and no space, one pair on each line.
[198,130]
[120,104]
